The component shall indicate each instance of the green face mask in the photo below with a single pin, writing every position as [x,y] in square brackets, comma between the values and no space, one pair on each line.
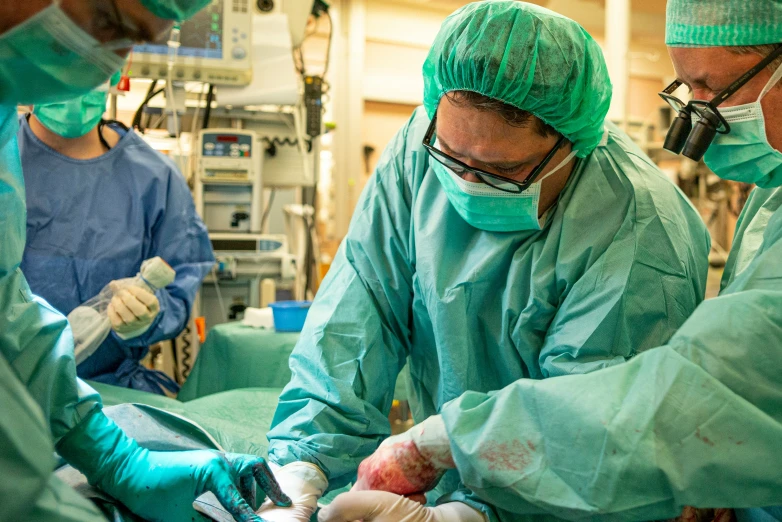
[490,209]
[49,58]
[744,154]
[73,118]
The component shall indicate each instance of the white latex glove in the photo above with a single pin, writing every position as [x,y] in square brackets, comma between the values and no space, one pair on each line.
[304,483]
[132,310]
[379,506]
[409,463]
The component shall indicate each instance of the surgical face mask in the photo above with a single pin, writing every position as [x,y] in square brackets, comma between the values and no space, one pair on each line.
[493,210]
[49,58]
[744,154]
[73,118]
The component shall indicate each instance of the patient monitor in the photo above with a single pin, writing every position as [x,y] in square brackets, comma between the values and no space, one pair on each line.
[215,47]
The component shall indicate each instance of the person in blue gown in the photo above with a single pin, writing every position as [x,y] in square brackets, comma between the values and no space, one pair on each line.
[100,201]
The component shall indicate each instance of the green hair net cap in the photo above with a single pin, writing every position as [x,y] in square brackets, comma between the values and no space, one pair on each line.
[528,57]
[175,9]
[718,23]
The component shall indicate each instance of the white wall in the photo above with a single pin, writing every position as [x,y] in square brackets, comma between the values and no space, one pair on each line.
[397,37]
[399,34]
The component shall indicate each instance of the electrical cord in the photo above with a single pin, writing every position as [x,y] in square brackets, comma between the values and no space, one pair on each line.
[208,108]
[328,45]
[187,351]
[193,136]
[151,93]
[219,293]
[298,60]
[175,361]
[140,112]
[309,258]
[273,143]
[267,210]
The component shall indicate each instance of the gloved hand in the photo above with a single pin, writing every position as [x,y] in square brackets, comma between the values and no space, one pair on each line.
[132,310]
[412,462]
[304,483]
[379,506]
[162,485]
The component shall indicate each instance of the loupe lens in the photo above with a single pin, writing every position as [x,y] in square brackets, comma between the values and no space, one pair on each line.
[701,137]
[678,132]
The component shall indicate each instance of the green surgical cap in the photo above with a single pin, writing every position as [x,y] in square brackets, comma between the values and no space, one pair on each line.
[528,57]
[175,9]
[718,23]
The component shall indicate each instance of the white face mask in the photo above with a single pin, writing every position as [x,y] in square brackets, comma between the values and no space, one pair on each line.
[491,209]
[744,154]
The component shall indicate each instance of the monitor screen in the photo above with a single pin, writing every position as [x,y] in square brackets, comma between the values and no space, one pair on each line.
[201,36]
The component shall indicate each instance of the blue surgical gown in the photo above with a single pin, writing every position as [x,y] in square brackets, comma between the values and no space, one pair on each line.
[41,398]
[90,222]
[617,268]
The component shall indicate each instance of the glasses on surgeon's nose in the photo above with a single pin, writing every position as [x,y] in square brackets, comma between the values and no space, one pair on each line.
[113,30]
[693,139]
[497,181]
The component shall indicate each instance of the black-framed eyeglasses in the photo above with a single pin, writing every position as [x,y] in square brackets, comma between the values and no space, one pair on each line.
[693,140]
[497,181]
[110,27]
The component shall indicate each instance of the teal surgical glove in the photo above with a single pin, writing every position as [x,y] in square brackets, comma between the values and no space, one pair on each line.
[162,485]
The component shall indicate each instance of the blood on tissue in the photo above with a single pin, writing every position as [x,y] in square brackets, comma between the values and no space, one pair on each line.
[399,469]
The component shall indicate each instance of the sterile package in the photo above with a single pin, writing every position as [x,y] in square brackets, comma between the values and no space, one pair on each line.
[90,322]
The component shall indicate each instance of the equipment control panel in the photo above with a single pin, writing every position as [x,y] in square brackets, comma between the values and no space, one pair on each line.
[215,47]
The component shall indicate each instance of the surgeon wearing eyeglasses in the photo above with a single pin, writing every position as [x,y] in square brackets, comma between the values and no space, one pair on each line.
[53,51]
[509,234]
[697,421]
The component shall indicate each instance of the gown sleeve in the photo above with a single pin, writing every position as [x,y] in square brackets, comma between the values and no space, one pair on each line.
[334,412]
[694,422]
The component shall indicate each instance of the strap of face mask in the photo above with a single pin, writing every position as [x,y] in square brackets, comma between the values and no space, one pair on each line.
[771,82]
[561,164]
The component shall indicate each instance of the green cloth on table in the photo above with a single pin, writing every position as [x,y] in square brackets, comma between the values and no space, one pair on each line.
[113,395]
[237,356]
[237,419]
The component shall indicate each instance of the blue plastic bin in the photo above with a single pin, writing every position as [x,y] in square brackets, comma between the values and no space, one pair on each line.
[289,316]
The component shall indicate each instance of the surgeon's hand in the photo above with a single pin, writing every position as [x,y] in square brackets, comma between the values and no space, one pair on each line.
[132,310]
[304,483]
[379,506]
[162,485]
[410,463]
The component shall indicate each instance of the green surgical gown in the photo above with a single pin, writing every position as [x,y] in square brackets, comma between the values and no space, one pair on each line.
[617,268]
[696,422]
[40,395]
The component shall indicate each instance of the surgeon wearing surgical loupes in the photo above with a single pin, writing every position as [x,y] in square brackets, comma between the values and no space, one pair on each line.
[49,52]
[140,207]
[509,234]
[697,421]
